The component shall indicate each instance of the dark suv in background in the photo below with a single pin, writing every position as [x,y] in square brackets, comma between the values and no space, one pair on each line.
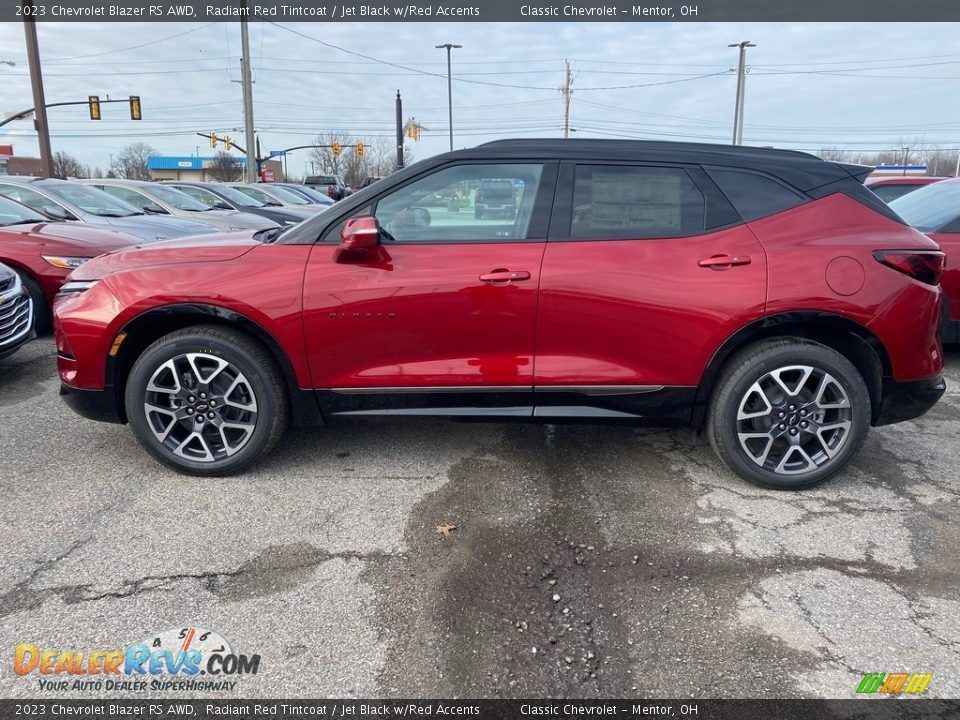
[331,185]
[763,296]
[495,197]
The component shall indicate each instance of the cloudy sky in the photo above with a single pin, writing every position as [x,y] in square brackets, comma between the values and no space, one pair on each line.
[862,87]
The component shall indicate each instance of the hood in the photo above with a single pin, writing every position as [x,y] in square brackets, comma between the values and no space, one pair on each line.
[235,219]
[210,248]
[153,227]
[284,214]
[81,239]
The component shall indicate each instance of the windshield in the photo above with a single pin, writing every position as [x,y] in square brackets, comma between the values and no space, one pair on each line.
[179,200]
[314,195]
[287,196]
[931,207]
[237,197]
[13,213]
[91,200]
[258,195]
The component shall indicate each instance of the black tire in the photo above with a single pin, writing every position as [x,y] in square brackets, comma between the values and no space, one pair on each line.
[42,318]
[735,387]
[243,355]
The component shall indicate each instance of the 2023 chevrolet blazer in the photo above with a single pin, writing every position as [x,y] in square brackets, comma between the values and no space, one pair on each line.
[764,296]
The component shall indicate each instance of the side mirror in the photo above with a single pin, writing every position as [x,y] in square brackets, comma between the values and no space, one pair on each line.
[421,217]
[154,210]
[360,234]
[57,213]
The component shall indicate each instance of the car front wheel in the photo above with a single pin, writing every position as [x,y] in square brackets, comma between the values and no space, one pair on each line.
[206,400]
[788,413]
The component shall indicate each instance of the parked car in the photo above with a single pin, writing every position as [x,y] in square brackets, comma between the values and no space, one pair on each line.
[332,185]
[43,253]
[935,210]
[224,197]
[310,194]
[369,180]
[889,188]
[495,197]
[273,196]
[16,312]
[762,295]
[159,199]
[69,201]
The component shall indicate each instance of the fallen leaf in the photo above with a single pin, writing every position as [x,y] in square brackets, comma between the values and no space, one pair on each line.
[445,529]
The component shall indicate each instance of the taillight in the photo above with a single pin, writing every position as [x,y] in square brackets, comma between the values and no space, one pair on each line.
[924,265]
[330,191]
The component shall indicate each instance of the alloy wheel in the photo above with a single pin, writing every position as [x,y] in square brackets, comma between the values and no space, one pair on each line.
[200,407]
[794,419]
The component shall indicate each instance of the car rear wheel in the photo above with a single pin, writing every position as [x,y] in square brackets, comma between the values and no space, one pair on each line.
[788,413]
[206,400]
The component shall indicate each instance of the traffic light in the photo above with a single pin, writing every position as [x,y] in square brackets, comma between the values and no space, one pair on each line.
[213,140]
[135,108]
[360,149]
[94,107]
[228,142]
[335,147]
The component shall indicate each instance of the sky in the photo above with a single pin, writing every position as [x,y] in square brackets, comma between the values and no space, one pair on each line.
[861,87]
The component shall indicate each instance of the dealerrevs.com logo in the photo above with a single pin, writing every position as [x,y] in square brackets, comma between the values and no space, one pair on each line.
[185,658]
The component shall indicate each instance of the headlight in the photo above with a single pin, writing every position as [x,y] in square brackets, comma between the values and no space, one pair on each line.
[77,286]
[67,263]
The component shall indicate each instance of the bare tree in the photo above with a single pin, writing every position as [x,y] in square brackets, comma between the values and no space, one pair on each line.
[379,157]
[67,166]
[834,153]
[131,162]
[225,167]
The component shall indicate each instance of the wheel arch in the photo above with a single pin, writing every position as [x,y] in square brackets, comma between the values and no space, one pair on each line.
[151,325]
[846,336]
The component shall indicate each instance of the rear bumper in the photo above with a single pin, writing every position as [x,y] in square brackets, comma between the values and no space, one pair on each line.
[100,405]
[908,400]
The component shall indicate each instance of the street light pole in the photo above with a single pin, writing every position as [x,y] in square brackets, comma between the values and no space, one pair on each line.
[246,79]
[36,81]
[449,47]
[741,82]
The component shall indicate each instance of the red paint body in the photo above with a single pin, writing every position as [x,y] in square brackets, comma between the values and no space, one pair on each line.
[612,312]
[22,248]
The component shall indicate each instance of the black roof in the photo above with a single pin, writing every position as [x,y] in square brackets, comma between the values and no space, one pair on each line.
[799,169]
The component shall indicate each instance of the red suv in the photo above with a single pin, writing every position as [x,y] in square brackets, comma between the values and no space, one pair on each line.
[762,295]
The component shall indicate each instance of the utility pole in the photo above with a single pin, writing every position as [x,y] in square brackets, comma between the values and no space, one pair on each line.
[449,47]
[247,81]
[36,81]
[399,131]
[741,82]
[566,91]
[906,154]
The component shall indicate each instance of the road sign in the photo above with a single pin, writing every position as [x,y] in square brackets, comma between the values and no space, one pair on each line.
[267,175]
[278,153]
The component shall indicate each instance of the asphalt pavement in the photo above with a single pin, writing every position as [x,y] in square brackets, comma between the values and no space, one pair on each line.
[585,561]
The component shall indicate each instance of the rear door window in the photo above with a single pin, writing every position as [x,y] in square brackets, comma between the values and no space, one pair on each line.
[635,202]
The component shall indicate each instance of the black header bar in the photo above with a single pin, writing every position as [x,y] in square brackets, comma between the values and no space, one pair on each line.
[488,11]
[263,709]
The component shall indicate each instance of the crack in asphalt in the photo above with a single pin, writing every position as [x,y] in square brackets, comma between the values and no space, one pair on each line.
[275,569]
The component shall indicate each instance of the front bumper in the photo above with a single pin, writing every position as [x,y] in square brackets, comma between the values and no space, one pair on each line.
[99,405]
[908,400]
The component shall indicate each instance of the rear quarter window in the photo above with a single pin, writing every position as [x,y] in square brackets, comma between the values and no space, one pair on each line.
[754,196]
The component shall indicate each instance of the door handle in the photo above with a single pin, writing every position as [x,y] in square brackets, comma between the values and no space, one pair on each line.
[503,276]
[723,262]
